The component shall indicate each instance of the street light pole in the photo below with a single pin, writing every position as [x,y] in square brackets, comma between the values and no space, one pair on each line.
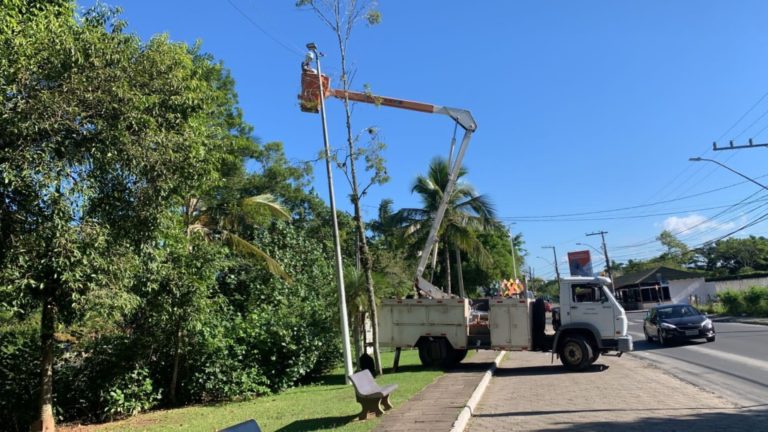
[554,253]
[699,159]
[336,238]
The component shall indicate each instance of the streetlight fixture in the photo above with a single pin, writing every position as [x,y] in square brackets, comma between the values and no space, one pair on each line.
[699,159]
[314,53]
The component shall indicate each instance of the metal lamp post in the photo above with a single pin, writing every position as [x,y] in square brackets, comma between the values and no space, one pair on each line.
[336,239]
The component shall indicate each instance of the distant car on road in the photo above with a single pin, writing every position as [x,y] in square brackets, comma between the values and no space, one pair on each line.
[666,323]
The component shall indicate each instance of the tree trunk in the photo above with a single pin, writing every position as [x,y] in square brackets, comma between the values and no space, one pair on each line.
[175,373]
[447,255]
[358,332]
[47,423]
[365,255]
[459,274]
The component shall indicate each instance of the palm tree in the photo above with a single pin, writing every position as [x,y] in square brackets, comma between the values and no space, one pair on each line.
[466,214]
[223,221]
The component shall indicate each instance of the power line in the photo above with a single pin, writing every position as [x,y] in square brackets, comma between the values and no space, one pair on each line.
[292,50]
[707,220]
[743,116]
[630,207]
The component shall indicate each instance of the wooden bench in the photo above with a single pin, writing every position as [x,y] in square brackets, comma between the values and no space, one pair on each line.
[246,426]
[372,397]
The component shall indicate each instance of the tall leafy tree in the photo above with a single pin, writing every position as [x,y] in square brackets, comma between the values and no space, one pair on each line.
[99,135]
[466,215]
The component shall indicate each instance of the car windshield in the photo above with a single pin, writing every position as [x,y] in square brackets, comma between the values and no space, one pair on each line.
[677,312]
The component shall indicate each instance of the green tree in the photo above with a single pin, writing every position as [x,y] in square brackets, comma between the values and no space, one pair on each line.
[676,251]
[467,214]
[99,133]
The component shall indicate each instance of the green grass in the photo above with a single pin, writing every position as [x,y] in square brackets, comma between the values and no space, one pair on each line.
[329,404]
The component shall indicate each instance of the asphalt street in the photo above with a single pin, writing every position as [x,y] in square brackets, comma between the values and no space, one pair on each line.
[735,366]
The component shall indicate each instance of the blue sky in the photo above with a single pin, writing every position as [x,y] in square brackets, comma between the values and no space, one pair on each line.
[582,107]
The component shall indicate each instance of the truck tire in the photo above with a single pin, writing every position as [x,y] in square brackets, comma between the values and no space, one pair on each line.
[575,353]
[437,352]
[458,356]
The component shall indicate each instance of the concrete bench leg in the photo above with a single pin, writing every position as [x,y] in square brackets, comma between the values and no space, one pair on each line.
[385,403]
[370,406]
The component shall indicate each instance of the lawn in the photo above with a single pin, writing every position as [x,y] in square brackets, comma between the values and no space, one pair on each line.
[328,404]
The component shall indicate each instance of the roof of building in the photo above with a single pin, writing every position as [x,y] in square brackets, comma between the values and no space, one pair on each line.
[654,275]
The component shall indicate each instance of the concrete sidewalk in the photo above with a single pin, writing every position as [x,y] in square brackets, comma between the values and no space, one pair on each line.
[437,406]
[528,393]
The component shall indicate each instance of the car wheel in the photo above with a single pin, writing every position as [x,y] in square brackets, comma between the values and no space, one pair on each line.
[711,338]
[575,353]
[660,336]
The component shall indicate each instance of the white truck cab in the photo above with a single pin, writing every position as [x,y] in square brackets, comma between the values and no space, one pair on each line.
[591,321]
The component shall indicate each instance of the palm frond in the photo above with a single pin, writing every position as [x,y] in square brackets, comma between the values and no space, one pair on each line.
[243,247]
[268,203]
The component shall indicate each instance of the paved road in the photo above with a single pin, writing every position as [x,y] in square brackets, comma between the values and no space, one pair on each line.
[734,366]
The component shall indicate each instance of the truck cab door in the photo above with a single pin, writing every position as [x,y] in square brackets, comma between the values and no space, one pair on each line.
[589,304]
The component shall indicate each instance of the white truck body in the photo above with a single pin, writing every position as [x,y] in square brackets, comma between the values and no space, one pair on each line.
[591,322]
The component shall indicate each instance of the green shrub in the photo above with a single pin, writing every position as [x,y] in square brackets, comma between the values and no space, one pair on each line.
[130,394]
[755,300]
[732,302]
[19,374]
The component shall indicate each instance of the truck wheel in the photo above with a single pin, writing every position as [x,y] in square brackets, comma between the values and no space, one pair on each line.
[575,353]
[436,352]
[458,356]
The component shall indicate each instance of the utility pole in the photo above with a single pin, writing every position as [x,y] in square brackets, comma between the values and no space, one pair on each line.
[605,252]
[512,242]
[554,253]
[336,238]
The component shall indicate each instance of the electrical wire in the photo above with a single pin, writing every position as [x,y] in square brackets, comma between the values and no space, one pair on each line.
[521,218]
[292,50]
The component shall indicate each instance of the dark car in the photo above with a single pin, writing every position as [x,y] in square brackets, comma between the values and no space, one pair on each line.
[677,322]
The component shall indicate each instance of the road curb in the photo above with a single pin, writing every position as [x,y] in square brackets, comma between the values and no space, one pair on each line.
[466,413]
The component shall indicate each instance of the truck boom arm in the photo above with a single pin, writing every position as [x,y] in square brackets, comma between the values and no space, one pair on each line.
[310,103]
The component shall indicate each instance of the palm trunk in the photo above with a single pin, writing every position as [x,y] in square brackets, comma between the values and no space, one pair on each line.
[47,422]
[459,274]
[447,255]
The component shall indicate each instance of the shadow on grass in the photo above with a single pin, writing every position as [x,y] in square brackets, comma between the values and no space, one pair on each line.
[322,423]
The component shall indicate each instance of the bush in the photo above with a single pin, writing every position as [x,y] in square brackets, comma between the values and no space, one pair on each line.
[19,374]
[130,394]
[732,302]
[755,300]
